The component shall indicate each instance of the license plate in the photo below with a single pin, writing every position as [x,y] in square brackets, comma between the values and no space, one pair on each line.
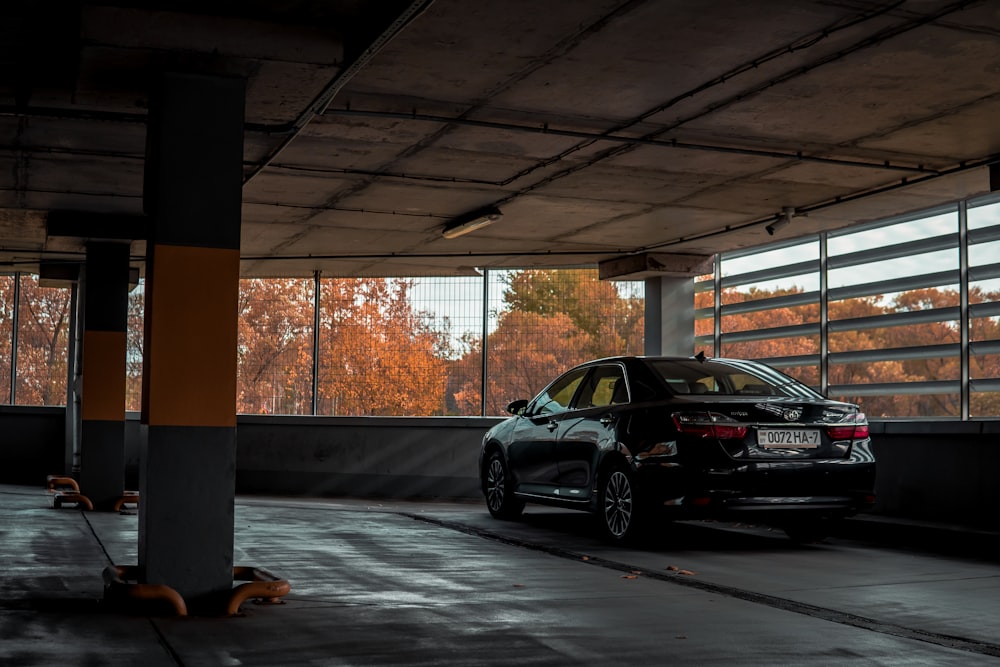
[781,438]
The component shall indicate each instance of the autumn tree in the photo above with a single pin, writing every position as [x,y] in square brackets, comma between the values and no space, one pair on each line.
[613,324]
[772,318]
[42,343]
[378,355]
[463,391]
[768,348]
[984,366]
[133,348]
[275,346]
[6,334]
[704,326]
[526,351]
[864,372]
[940,367]
[551,321]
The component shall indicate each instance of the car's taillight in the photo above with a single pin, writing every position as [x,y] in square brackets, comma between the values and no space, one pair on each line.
[709,425]
[855,427]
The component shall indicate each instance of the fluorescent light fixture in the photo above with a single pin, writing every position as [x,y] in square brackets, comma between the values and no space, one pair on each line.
[787,213]
[471,222]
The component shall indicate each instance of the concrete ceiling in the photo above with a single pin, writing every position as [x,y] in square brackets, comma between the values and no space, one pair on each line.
[652,132]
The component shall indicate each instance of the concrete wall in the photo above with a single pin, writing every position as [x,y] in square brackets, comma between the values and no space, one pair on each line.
[390,457]
[939,471]
[32,444]
[935,471]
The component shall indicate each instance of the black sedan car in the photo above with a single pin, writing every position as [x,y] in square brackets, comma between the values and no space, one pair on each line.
[638,440]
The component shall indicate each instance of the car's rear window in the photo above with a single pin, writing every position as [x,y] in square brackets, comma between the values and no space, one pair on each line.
[720,379]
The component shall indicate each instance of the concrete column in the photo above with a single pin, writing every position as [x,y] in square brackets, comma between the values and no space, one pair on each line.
[669,316]
[74,381]
[102,395]
[192,196]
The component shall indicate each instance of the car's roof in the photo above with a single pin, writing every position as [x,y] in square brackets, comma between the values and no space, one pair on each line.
[633,358]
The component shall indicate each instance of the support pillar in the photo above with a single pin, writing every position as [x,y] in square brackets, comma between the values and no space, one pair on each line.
[669,316]
[192,196]
[74,381]
[102,395]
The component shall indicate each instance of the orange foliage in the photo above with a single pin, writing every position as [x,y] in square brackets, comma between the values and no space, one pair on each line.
[613,324]
[133,354]
[42,343]
[526,351]
[943,367]
[378,356]
[6,337]
[553,320]
[275,347]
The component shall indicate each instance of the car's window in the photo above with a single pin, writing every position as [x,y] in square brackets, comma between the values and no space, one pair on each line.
[685,376]
[706,385]
[748,384]
[604,386]
[557,397]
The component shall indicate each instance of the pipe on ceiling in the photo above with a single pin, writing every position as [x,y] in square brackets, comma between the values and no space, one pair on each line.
[322,101]
[617,138]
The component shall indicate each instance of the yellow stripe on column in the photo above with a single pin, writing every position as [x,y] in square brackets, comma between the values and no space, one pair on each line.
[103,376]
[192,321]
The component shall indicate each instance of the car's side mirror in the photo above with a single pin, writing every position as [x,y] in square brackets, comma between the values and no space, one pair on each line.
[517,407]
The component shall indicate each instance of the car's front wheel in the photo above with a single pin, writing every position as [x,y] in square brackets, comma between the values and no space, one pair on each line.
[618,512]
[500,498]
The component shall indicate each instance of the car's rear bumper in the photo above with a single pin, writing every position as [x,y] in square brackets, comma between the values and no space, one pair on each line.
[716,505]
[836,487]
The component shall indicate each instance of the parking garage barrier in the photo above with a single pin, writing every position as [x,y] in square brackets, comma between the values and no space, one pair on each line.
[67,497]
[261,584]
[56,483]
[66,491]
[129,498]
[121,583]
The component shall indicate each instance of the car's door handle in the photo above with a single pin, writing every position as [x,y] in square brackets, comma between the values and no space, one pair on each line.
[552,426]
[608,420]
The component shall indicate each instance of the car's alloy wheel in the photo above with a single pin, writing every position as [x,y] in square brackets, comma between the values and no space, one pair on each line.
[617,505]
[499,499]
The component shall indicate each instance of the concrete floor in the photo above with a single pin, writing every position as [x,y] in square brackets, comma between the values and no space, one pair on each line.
[396,583]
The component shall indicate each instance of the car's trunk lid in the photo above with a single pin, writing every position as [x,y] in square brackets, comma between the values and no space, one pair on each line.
[773,427]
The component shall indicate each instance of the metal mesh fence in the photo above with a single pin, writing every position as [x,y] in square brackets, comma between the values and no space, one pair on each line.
[133,352]
[896,301]
[42,343]
[378,353]
[400,346]
[413,346]
[544,322]
[274,346]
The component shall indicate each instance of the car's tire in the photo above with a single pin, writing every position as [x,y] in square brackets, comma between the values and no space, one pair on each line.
[619,514]
[500,500]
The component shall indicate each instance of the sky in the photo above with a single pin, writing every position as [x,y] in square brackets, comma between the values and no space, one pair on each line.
[845,241]
[459,299]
